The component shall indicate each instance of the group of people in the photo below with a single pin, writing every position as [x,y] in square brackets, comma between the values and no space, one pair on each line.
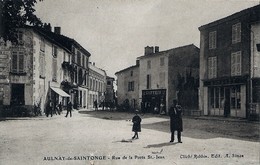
[50,109]
[175,113]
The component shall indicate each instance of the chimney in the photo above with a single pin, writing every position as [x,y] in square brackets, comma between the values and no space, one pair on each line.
[156,49]
[57,30]
[137,62]
[148,50]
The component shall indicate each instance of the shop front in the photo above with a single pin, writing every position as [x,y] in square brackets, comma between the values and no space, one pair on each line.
[227,97]
[152,100]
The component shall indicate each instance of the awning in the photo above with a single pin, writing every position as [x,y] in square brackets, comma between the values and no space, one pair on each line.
[60,92]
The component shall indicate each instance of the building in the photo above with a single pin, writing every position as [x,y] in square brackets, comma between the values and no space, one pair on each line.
[97,85]
[77,69]
[228,64]
[39,68]
[128,86]
[161,76]
[168,75]
[110,99]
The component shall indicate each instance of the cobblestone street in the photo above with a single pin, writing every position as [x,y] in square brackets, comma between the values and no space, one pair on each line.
[102,137]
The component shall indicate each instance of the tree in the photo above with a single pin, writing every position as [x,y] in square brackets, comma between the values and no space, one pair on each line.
[15,14]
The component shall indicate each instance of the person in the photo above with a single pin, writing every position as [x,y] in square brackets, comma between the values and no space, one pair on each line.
[226,108]
[95,105]
[50,108]
[59,108]
[175,113]
[162,111]
[69,108]
[136,125]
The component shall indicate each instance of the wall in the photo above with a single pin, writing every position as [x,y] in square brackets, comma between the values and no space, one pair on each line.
[123,77]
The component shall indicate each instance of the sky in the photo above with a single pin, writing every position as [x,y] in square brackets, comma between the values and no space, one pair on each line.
[115,32]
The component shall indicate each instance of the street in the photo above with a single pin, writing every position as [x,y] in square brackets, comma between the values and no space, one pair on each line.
[102,137]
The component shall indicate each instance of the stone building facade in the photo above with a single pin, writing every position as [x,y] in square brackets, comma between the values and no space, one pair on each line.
[226,65]
[163,76]
[97,85]
[128,86]
[38,69]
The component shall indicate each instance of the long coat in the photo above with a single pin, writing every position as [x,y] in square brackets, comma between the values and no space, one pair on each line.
[175,118]
[137,124]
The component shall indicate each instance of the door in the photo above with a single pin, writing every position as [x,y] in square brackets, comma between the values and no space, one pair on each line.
[227,102]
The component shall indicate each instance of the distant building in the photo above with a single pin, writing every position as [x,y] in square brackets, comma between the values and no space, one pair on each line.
[110,92]
[167,75]
[160,77]
[128,86]
[229,64]
[97,85]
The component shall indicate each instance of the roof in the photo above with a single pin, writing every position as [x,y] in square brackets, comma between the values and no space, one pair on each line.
[170,50]
[131,67]
[60,40]
[254,11]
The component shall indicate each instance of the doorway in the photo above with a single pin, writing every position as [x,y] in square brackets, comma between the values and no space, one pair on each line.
[17,94]
[227,102]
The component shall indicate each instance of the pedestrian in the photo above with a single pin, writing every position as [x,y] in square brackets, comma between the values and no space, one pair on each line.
[95,105]
[162,110]
[136,125]
[175,113]
[50,111]
[69,108]
[226,108]
[59,108]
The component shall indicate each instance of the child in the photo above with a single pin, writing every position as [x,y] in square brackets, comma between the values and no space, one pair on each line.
[137,125]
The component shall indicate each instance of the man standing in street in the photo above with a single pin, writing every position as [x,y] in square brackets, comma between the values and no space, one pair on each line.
[175,113]
[69,108]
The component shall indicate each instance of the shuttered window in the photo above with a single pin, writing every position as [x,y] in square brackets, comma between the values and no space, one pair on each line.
[236,33]
[18,62]
[212,40]
[236,63]
[212,67]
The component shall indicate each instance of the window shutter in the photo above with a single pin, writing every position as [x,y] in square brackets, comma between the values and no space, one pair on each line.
[214,67]
[14,62]
[238,63]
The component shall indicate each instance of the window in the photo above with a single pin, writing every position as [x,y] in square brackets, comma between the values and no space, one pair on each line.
[235,97]
[18,62]
[148,81]
[148,64]
[78,57]
[54,51]
[108,82]
[131,73]
[131,86]
[162,79]
[54,69]
[162,61]
[236,33]
[42,65]
[236,64]
[212,40]
[212,67]
[83,61]
[216,97]
[42,45]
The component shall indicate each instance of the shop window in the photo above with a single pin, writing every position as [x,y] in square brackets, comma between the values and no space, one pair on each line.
[235,97]
[216,97]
